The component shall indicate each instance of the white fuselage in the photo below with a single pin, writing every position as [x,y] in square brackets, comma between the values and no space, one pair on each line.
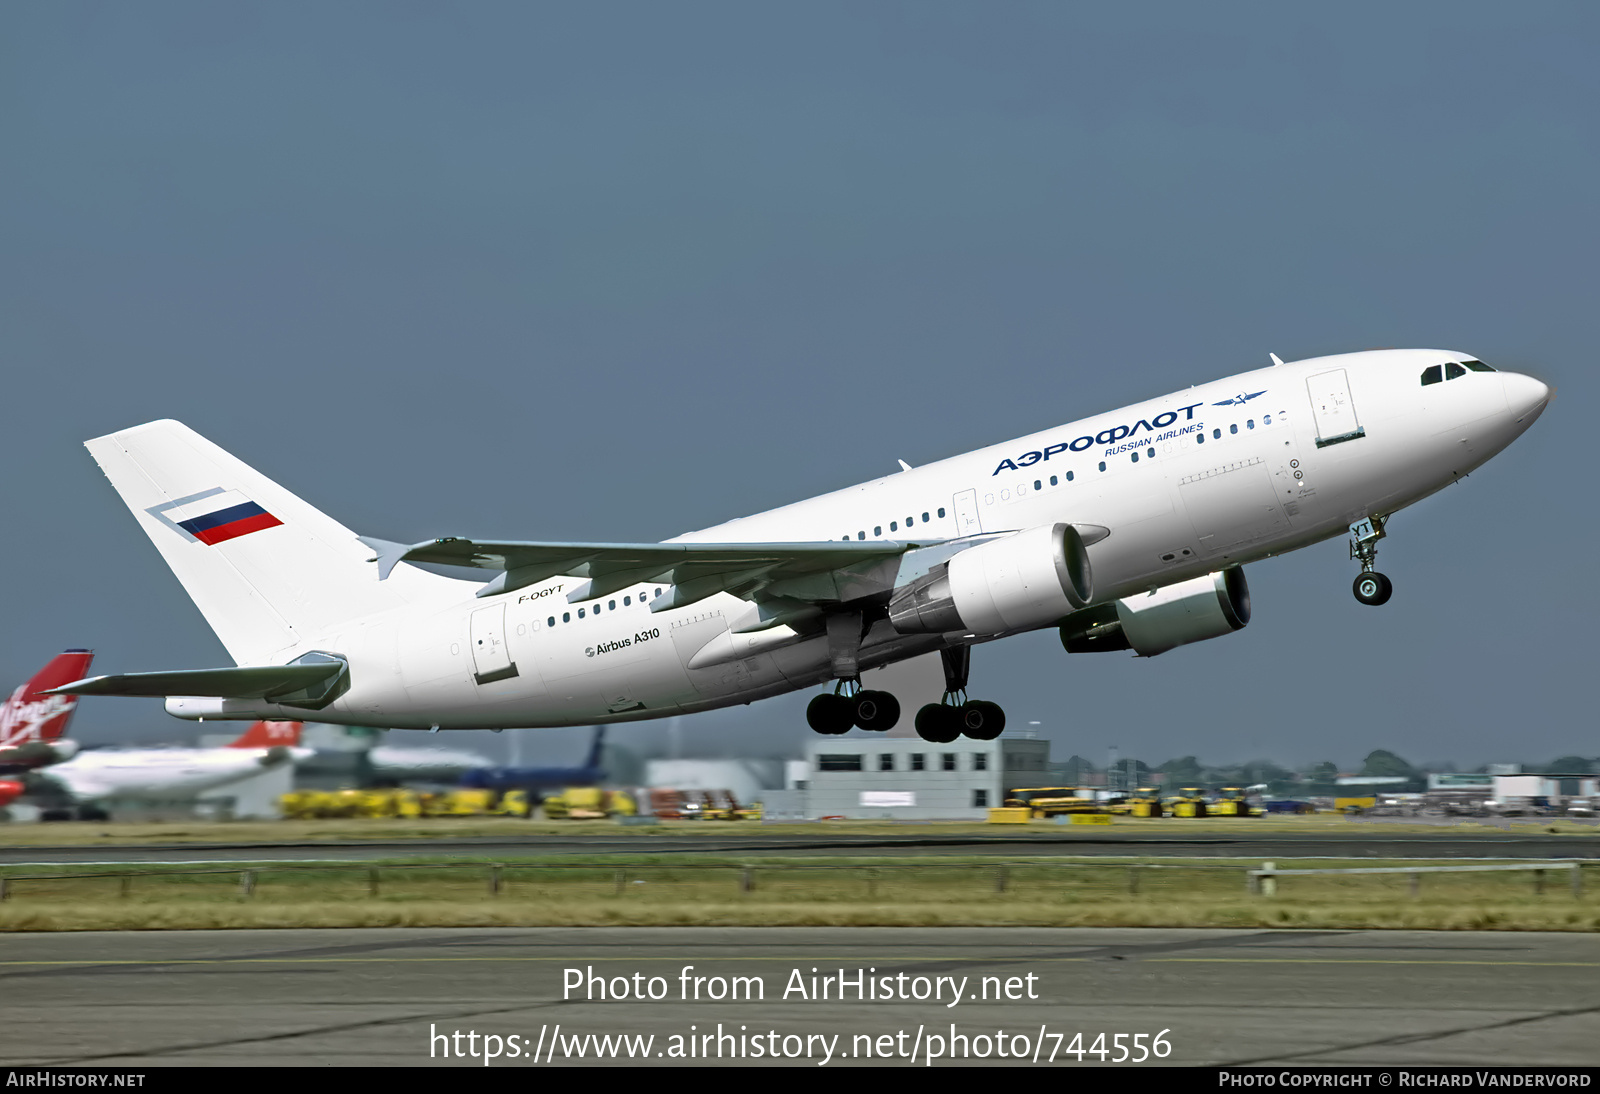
[160,773]
[1173,488]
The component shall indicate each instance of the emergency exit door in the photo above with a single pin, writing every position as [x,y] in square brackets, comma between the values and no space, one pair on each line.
[491,657]
[1332,408]
[966,510]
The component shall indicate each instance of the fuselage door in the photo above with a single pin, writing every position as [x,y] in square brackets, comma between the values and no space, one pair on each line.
[491,657]
[966,510]
[1332,408]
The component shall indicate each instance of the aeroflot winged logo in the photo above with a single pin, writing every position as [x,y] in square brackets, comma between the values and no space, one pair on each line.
[1239,400]
[214,516]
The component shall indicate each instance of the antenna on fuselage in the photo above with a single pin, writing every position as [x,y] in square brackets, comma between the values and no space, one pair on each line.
[1276,360]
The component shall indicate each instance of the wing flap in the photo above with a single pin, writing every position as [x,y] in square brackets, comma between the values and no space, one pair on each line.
[698,569]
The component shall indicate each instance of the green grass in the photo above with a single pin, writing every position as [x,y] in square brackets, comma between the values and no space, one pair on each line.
[787,891]
[110,834]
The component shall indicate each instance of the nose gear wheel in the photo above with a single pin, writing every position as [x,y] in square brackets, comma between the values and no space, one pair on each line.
[1370,587]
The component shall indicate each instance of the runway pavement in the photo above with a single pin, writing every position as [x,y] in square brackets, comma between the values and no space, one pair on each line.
[398,997]
[1361,842]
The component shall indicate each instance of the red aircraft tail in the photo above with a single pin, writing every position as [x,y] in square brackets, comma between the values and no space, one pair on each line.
[30,715]
[269,735]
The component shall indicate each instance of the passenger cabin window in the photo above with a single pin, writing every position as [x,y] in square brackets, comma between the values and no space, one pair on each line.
[1102,465]
[1433,374]
[1069,476]
[925,516]
[941,513]
[1234,428]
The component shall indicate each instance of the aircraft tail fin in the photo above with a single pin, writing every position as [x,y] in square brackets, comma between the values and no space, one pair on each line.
[270,573]
[595,747]
[31,715]
[269,735]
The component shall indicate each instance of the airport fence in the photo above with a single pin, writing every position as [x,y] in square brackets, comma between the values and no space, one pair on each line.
[770,882]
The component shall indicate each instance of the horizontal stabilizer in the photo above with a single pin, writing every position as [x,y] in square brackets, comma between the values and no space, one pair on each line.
[311,684]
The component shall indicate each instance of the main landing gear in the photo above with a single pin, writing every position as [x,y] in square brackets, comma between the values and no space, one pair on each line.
[1370,587]
[944,721]
[850,705]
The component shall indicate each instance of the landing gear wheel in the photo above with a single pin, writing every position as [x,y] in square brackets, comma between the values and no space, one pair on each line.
[876,710]
[982,721]
[939,724]
[830,714]
[1373,588]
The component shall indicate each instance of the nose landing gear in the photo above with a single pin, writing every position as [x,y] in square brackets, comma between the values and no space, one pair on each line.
[1370,586]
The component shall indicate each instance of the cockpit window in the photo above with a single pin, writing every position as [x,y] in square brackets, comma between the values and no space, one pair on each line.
[1453,370]
[1477,366]
[1433,374]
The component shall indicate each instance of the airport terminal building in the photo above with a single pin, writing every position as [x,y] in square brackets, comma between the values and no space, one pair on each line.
[907,778]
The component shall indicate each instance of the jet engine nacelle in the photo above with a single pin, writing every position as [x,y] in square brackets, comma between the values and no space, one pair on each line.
[1190,611]
[1030,579]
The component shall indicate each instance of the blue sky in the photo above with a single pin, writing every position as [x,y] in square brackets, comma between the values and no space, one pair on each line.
[618,271]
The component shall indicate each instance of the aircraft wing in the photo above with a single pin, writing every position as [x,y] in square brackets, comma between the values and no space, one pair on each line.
[274,683]
[830,571]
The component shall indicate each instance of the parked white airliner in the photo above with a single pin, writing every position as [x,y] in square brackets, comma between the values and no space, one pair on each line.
[1126,530]
[161,773]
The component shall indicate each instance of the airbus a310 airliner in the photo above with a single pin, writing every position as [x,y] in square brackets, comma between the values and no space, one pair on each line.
[1126,530]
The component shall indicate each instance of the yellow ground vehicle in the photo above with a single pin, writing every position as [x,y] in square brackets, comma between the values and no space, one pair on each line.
[589,803]
[1231,801]
[401,802]
[1051,801]
[576,803]
[516,803]
[1190,802]
[1145,802]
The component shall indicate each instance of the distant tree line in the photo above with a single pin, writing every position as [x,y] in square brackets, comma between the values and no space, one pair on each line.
[1313,780]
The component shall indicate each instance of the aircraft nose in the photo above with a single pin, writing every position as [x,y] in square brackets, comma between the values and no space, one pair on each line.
[1525,396]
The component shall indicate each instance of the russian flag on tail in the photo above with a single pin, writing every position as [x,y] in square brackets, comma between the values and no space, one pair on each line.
[221,517]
